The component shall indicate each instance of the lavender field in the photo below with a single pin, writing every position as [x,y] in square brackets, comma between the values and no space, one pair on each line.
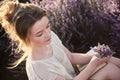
[80,24]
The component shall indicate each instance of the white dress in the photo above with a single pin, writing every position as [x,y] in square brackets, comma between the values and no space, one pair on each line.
[49,69]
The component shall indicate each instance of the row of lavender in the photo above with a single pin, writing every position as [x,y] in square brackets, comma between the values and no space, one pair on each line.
[81,24]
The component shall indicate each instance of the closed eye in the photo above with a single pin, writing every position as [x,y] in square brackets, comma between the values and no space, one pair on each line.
[40,34]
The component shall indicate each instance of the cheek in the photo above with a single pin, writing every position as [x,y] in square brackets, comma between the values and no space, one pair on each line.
[38,40]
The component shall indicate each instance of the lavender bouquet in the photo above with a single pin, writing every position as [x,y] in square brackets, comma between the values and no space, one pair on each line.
[103,50]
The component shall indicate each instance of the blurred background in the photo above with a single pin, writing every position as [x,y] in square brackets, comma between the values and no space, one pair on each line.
[80,24]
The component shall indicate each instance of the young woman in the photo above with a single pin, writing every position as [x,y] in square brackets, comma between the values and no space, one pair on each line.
[47,57]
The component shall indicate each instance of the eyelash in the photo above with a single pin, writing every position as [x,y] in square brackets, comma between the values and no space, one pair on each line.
[39,35]
[46,28]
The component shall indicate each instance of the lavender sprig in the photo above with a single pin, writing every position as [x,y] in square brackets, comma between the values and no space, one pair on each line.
[103,50]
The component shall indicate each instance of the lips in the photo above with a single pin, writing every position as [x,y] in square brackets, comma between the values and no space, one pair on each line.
[48,39]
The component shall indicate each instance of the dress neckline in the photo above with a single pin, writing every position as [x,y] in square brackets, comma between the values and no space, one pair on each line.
[49,58]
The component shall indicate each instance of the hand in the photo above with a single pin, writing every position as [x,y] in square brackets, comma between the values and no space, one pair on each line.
[96,61]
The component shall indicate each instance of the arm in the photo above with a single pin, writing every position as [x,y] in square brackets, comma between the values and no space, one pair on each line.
[84,75]
[87,72]
[78,58]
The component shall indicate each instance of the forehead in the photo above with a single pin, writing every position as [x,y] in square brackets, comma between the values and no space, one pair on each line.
[39,25]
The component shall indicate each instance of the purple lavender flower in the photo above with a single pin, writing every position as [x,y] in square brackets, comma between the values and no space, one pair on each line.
[103,50]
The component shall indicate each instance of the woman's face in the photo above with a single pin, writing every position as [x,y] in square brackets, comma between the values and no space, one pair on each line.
[40,33]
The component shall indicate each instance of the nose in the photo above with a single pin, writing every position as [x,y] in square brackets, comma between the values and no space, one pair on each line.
[47,34]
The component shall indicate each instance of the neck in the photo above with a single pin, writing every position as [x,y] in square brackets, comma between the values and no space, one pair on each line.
[39,49]
[41,52]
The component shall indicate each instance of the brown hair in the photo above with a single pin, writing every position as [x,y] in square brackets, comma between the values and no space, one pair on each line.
[17,18]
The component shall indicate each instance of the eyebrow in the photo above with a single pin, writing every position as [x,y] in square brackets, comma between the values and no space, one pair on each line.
[41,30]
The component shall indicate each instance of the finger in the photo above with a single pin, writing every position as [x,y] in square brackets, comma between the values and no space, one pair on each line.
[107,58]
